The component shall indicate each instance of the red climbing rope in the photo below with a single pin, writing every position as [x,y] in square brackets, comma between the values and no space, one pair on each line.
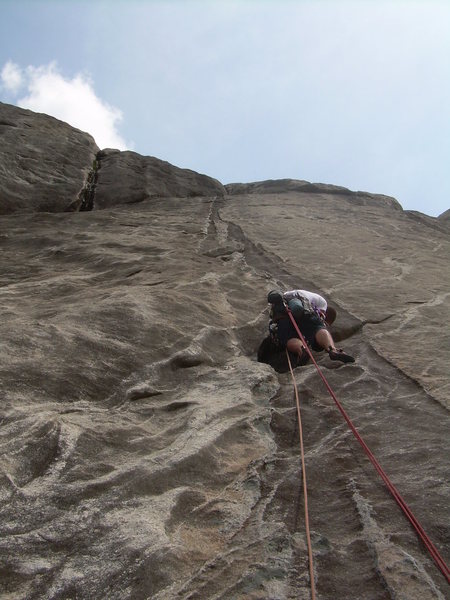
[415,523]
[305,488]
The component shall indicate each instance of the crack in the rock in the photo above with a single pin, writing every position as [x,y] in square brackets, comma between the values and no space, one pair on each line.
[86,197]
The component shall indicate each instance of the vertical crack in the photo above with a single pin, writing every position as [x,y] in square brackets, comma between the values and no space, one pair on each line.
[87,194]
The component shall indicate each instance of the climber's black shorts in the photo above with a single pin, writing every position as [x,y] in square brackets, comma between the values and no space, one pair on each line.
[309,326]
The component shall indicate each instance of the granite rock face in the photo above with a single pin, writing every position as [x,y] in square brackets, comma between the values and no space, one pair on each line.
[127,178]
[445,217]
[274,186]
[44,162]
[145,451]
[48,166]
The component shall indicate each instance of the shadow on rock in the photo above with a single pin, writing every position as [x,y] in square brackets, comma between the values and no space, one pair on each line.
[270,354]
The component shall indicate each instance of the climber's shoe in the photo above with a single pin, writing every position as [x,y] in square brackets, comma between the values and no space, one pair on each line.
[340,355]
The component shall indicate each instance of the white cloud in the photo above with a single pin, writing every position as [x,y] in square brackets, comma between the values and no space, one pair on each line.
[71,100]
[11,77]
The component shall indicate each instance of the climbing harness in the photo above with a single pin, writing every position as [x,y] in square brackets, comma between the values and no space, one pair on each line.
[305,488]
[405,508]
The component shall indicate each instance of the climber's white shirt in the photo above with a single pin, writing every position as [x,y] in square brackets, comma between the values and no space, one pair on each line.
[317,301]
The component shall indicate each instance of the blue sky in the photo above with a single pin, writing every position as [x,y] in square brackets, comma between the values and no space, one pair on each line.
[354,93]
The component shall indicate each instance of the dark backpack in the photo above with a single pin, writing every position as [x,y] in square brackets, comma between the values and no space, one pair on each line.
[299,307]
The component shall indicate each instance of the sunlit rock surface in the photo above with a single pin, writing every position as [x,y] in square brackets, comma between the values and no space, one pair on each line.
[44,163]
[145,453]
[128,177]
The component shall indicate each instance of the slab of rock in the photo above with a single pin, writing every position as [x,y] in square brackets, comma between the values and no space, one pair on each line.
[47,165]
[44,163]
[445,217]
[128,177]
[273,186]
[145,451]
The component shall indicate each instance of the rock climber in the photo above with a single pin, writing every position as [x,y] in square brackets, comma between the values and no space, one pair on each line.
[312,315]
